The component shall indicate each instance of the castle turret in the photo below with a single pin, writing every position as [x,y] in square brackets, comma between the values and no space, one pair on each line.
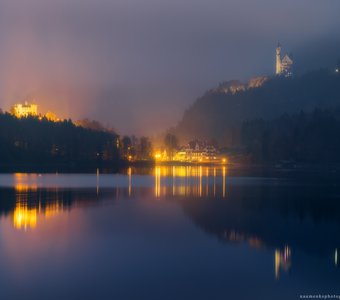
[278,59]
[284,66]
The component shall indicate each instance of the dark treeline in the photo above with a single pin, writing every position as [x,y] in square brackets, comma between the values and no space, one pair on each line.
[304,137]
[219,114]
[33,141]
[36,141]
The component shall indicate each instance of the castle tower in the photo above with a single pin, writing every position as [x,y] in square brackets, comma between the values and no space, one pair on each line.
[278,59]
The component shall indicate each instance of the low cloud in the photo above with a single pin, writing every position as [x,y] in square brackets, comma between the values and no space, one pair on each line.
[136,65]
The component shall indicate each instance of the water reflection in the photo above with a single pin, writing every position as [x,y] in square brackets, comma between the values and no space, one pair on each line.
[195,181]
[237,237]
[267,216]
[24,217]
[282,261]
[28,203]
[27,211]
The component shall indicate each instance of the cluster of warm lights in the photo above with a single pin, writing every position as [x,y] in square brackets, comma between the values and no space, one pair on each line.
[180,156]
[158,156]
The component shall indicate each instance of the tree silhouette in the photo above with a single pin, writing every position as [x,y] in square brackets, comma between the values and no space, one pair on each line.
[33,141]
[304,137]
[170,143]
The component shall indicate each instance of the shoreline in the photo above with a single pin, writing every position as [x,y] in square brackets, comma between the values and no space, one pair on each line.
[117,167]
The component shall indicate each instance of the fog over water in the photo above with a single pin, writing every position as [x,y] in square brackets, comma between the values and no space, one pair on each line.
[146,61]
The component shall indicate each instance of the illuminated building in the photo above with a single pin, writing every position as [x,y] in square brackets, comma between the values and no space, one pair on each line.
[198,152]
[161,155]
[194,152]
[24,110]
[284,66]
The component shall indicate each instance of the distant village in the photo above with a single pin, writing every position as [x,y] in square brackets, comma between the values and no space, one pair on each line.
[197,151]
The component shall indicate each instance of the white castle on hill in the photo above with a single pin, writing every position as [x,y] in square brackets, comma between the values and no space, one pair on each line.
[284,66]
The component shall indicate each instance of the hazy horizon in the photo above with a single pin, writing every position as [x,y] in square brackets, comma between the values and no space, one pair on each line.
[137,65]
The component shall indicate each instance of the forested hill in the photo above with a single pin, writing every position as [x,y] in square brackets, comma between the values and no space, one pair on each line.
[37,142]
[219,113]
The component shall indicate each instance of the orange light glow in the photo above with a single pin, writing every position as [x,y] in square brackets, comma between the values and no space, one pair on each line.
[24,217]
[190,181]
[53,209]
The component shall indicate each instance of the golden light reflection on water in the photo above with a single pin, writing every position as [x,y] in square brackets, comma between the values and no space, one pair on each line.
[31,209]
[53,208]
[130,180]
[282,258]
[24,217]
[157,181]
[223,181]
[21,184]
[27,213]
[198,181]
[27,217]
[282,261]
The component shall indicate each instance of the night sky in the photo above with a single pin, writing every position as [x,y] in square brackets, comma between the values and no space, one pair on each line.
[138,64]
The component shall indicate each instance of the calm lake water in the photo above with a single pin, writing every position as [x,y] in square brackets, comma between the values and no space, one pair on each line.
[169,233]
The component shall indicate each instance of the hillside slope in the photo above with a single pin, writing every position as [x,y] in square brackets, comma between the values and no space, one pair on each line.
[219,113]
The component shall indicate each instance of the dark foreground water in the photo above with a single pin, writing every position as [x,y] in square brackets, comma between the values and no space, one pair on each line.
[169,233]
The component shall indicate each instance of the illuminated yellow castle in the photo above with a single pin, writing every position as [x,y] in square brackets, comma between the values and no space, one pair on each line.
[284,66]
[31,110]
[24,110]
